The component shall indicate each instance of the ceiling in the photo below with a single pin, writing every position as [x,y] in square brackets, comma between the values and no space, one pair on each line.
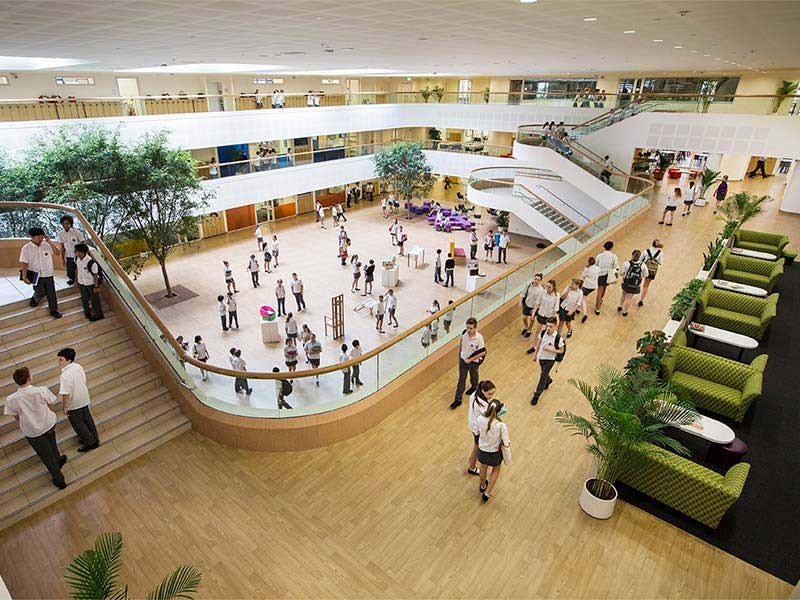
[454,37]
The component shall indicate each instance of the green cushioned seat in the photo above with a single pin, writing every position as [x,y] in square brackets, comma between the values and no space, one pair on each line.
[789,255]
[689,488]
[712,383]
[761,241]
[749,271]
[736,312]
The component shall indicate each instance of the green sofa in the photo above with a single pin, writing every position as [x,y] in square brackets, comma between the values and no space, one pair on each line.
[736,312]
[719,385]
[762,241]
[749,271]
[689,488]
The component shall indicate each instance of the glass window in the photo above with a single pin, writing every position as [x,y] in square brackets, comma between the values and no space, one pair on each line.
[691,85]
[464,88]
[555,88]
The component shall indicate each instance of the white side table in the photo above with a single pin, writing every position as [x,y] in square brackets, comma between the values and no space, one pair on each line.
[390,277]
[739,288]
[472,283]
[737,340]
[270,332]
[753,254]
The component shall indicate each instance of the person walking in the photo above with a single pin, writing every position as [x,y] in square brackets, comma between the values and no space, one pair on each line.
[259,238]
[530,302]
[393,231]
[692,193]
[34,410]
[492,438]
[340,213]
[313,350]
[449,271]
[321,215]
[280,296]
[478,403]
[605,174]
[343,357]
[471,355]
[608,263]
[356,276]
[402,238]
[369,276]
[267,260]
[254,268]
[75,401]
[67,238]
[671,206]
[448,317]
[383,208]
[88,273]
[290,352]
[720,193]
[239,364]
[283,387]
[391,307]
[380,310]
[343,251]
[546,309]
[229,280]
[447,182]
[548,346]
[571,301]
[275,247]
[290,326]
[233,315]
[437,266]
[653,258]
[760,167]
[591,272]
[36,269]
[488,246]
[222,311]
[631,274]
[502,247]
[297,290]
[473,244]
[200,352]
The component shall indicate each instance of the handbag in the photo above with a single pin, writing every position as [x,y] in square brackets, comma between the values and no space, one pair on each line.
[613,276]
[506,450]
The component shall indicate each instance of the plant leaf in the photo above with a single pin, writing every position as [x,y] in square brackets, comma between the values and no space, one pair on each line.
[92,575]
[182,583]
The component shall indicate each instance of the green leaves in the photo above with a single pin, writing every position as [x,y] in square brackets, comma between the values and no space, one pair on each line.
[715,248]
[740,208]
[707,178]
[182,583]
[404,169]
[684,299]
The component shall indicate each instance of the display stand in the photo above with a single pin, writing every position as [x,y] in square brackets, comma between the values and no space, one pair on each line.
[390,277]
[472,283]
[270,332]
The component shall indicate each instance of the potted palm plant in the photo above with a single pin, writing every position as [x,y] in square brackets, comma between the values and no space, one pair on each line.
[426,93]
[715,248]
[629,412]
[439,92]
[784,91]
[707,179]
[740,208]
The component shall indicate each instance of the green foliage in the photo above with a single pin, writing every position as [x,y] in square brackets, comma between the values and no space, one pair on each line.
[685,299]
[707,178]
[738,209]
[426,93]
[785,90]
[486,95]
[93,575]
[434,134]
[715,248]
[652,347]
[18,184]
[729,229]
[629,411]
[405,170]
[438,91]
[501,219]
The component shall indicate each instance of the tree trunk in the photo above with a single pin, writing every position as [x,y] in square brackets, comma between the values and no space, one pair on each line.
[169,293]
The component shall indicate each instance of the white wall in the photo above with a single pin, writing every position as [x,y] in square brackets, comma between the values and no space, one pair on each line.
[791,196]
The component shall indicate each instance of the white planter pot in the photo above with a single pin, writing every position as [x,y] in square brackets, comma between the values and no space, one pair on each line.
[594,506]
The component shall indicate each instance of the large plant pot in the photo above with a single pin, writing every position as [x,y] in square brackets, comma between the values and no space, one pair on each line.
[594,506]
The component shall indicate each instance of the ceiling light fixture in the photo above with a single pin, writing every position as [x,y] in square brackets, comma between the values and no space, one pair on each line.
[694,51]
[527,1]
[658,41]
[589,19]
[630,31]
[33,63]
[677,47]
[706,55]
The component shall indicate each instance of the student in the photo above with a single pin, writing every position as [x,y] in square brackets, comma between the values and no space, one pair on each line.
[631,274]
[222,311]
[380,309]
[212,168]
[239,364]
[343,251]
[340,213]
[36,269]
[355,353]
[470,357]
[313,350]
[720,192]
[253,267]
[530,301]
[305,335]
[473,244]
[449,271]
[447,182]
[343,357]
[290,354]
[434,307]
[67,238]
[283,387]
[492,434]
[259,238]
[321,214]
[548,346]
[233,315]
[393,232]
[671,207]
[391,307]
[402,238]
[34,410]
[448,318]
[608,263]
[200,352]
[426,336]
[275,247]
[437,266]
[369,275]
[75,400]
[267,260]
[488,246]
[296,286]
[229,281]
[590,274]
[546,309]
[356,276]
[653,258]
[571,300]
[291,327]
[88,275]
[478,403]
[502,247]
[383,209]
[692,193]
[605,174]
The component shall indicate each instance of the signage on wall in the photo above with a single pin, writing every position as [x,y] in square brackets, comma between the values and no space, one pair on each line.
[267,81]
[331,81]
[74,80]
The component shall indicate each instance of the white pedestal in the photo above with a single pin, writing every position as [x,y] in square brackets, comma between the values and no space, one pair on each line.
[472,283]
[390,277]
[270,333]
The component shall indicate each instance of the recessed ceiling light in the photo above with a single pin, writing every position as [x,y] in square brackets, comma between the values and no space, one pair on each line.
[527,1]
[658,41]
[706,55]
[32,63]
[630,31]
[717,59]
[590,19]
[693,51]
[677,47]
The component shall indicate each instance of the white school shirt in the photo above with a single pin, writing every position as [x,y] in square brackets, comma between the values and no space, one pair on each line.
[85,276]
[391,302]
[228,273]
[605,261]
[274,247]
[435,327]
[380,308]
[383,203]
[572,300]
[672,200]
[29,403]
[548,305]
[490,439]
[533,295]
[691,194]
[39,258]
[72,383]
[589,276]
[473,238]
[488,240]
[547,340]
[477,406]
[212,169]
[291,327]
[313,349]
[393,228]
[280,291]
[355,352]
[297,286]
[221,310]
[253,265]
[470,346]
[344,358]
[437,261]
[503,241]
[200,350]
[231,304]
[259,235]
[321,213]
[69,239]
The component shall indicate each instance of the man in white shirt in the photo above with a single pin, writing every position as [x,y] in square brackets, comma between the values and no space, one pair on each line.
[502,247]
[274,247]
[437,267]
[473,244]
[297,289]
[75,401]
[238,364]
[530,300]
[259,238]
[253,267]
[547,348]
[391,307]
[67,238]
[343,357]
[88,273]
[222,311]
[470,358]
[36,260]
[33,408]
[355,352]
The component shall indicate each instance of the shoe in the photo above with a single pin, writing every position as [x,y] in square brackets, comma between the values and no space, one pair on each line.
[624,314]
[473,471]
[33,303]
[348,392]
[597,312]
[534,400]
[485,497]
[55,314]
[359,383]
[640,303]
[523,332]
[62,461]
[70,282]
[669,224]
[530,351]
[455,404]
[583,318]
[224,329]
[61,485]
[619,309]
[569,334]
[661,222]
[248,392]
[482,487]
[89,448]
[549,382]
[527,333]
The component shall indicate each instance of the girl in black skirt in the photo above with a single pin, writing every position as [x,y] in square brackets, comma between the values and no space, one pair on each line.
[492,435]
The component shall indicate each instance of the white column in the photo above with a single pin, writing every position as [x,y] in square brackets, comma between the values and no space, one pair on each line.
[734,166]
[791,196]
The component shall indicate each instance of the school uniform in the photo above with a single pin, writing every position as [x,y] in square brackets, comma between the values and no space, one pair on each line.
[290,355]
[547,359]
[345,373]
[380,310]
[652,258]
[291,329]
[469,346]
[69,239]
[296,286]
[313,350]
[502,247]
[477,406]
[437,268]
[570,301]
[672,203]
[630,286]
[391,307]
[280,296]
[531,298]
[72,383]
[85,269]
[222,311]
[548,307]
[489,440]
[40,260]
[607,262]
[232,313]
[253,268]
[590,276]
[228,275]
[355,369]
[240,383]
[473,244]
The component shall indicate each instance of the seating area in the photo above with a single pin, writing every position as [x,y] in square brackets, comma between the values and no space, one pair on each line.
[761,241]
[736,312]
[749,271]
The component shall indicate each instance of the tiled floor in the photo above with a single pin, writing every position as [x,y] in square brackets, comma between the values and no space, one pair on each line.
[13,290]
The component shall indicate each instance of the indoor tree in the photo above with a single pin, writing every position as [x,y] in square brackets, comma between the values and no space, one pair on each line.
[785,90]
[405,170]
[707,179]
[18,184]
[739,208]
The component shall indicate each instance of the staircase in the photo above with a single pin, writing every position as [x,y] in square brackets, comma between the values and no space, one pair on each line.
[552,214]
[133,411]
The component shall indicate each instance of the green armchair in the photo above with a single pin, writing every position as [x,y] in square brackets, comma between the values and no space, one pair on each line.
[761,241]
[749,271]
[735,312]
[719,385]
[689,488]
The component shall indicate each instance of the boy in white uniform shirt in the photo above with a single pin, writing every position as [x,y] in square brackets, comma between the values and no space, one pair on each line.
[530,300]
[355,352]
[68,237]
[37,257]
[470,358]
[75,401]
[253,267]
[33,408]
[548,345]
[88,274]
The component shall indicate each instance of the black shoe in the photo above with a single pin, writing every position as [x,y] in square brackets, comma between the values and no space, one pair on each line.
[359,383]
[549,381]
[527,334]
[470,390]
[482,487]
[624,314]
[348,392]
[97,318]
[455,404]
[583,318]
[33,303]
[530,351]
[55,314]
[640,303]
[597,312]
[619,309]
[473,472]
[523,332]
[485,497]
[62,461]
[569,334]
[61,485]
[70,282]
[89,448]
[534,400]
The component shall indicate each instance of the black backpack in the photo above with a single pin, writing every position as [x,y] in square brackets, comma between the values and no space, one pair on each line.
[100,276]
[286,388]
[633,276]
[558,341]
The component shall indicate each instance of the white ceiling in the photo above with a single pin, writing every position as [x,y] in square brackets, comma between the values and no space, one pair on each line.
[490,37]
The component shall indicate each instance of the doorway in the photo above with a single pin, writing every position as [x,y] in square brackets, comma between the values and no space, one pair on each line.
[214,91]
[233,154]
[514,91]
[353,87]
[129,90]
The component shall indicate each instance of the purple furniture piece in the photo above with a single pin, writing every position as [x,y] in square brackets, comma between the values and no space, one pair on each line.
[458,222]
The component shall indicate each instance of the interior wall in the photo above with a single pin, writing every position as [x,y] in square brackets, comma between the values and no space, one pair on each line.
[734,166]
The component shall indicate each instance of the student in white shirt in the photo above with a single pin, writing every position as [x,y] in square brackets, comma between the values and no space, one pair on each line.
[356,276]
[296,286]
[448,318]
[437,266]
[470,357]
[530,301]
[383,208]
[87,272]
[200,352]
[478,403]
[67,238]
[492,434]
[313,350]
[75,401]
[321,214]
[34,409]
[473,244]
[632,273]
[253,267]
[280,296]
[233,314]
[355,352]
[546,308]
[571,300]
[548,345]
[37,257]
[380,309]
[239,364]
[608,263]
[692,193]
[229,281]
[488,246]
[391,307]
[259,238]
[283,387]
[393,232]
[222,311]
[671,206]
[274,248]
[502,247]
[653,258]
[343,357]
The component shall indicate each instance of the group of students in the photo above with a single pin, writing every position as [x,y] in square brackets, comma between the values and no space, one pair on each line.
[588,98]
[688,197]
[277,97]
[389,206]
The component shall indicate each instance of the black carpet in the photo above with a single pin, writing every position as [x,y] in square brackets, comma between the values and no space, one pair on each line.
[763,526]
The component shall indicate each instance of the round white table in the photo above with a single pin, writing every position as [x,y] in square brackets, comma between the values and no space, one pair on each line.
[743,342]
[754,254]
[710,430]
[740,288]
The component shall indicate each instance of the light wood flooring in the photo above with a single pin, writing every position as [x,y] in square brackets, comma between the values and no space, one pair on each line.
[391,513]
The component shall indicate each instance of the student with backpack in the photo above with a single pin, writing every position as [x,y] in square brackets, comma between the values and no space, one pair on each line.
[632,273]
[89,277]
[549,348]
[253,267]
[653,258]
[283,388]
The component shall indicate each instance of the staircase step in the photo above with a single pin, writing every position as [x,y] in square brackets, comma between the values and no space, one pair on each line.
[35,328]
[27,313]
[18,305]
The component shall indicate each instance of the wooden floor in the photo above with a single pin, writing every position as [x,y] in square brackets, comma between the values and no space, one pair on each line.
[391,513]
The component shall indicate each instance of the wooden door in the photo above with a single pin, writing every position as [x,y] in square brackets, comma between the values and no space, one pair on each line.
[240,217]
[213,224]
[305,203]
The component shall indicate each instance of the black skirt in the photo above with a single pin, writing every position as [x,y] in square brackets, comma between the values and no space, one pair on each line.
[490,459]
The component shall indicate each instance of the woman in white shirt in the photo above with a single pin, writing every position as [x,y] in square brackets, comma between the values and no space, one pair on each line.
[200,352]
[291,327]
[547,306]
[571,300]
[608,263]
[692,193]
[492,434]
[591,272]
[632,273]
[653,258]
[478,403]
[671,207]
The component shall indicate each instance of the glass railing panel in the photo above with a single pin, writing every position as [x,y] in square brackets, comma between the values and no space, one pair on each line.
[518,280]
[490,299]
[398,358]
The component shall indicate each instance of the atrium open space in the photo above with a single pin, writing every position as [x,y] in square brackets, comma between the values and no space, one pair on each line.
[324,300]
